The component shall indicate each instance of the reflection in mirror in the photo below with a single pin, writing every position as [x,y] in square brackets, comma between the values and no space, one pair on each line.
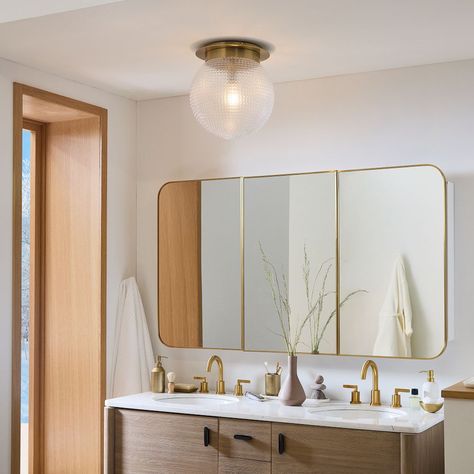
[220,264]
[289,263]
[199,264]
[392,231]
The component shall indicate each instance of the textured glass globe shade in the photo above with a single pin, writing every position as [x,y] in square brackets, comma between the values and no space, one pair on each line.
[231,97]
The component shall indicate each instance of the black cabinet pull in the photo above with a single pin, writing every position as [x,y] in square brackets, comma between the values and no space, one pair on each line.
[207,435]
[281,443]
[243,437]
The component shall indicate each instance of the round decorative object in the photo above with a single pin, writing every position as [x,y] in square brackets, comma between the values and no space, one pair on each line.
[431,407]
[231,95]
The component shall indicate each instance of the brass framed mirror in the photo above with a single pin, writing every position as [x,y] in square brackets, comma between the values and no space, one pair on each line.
[349,262]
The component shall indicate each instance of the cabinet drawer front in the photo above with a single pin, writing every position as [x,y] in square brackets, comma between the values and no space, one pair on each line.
[150,442]
[315,449]
[245,439]
[243,466]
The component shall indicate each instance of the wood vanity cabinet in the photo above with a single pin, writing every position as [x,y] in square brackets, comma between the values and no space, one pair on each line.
[152,442]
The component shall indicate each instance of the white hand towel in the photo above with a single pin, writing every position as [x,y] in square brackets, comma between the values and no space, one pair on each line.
[395,319]
[133,353]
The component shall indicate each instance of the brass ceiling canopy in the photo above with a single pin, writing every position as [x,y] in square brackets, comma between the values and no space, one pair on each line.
[232,49]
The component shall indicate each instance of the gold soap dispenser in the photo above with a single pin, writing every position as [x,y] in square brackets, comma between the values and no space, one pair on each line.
[158,376]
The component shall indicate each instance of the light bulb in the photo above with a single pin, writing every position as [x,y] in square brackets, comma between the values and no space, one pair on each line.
[233,96]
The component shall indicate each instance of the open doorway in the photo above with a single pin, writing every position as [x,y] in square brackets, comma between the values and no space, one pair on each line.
[59,272]
[31,141]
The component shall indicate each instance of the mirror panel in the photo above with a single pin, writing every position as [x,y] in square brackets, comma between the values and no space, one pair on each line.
[220,264]
[199,264]
[286,217]
[392,245]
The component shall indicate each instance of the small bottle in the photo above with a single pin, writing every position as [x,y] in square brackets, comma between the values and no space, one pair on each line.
[414,399]
[158,376]
[431,392]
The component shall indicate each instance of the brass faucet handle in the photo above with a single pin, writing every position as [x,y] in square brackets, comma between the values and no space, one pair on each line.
[355,394]
[396,398]
[204,386]
[402,390]
[238,391]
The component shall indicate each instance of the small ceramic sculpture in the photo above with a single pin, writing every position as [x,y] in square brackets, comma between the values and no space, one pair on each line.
[317,388]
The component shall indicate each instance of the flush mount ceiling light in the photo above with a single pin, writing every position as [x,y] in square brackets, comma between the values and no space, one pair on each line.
[231,95]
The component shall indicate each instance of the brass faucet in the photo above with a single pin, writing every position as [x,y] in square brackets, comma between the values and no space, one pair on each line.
[220,385]
[375,393]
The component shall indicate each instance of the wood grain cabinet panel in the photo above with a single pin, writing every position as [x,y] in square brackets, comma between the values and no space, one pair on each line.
[243,466]
[71,364]
[253,439]
[314,449]
[162,443]
[423,452]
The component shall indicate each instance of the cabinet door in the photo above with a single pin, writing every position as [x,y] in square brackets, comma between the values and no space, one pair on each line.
[150,442]
[315,449]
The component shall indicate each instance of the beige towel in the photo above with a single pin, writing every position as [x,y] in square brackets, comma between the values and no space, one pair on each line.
[395,319]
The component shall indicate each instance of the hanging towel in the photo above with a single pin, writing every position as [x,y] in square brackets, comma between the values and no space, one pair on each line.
[395,318]
[133,353]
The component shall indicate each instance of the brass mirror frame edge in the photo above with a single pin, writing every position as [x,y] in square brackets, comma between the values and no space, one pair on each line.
[337,241]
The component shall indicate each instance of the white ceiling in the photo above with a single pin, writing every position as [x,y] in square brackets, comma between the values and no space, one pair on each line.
[142,48]
[12,10]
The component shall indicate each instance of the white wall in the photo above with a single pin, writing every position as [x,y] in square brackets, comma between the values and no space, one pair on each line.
[121,209]
[411,115]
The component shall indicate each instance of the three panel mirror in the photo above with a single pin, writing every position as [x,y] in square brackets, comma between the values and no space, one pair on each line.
[343,263]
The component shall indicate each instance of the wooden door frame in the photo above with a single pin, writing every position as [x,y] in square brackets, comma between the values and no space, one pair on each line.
[19,91]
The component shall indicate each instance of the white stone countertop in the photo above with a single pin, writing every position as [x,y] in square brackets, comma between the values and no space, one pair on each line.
[331,414]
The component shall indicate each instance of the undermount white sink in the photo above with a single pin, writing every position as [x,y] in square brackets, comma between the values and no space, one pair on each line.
[198,400]
[363,414]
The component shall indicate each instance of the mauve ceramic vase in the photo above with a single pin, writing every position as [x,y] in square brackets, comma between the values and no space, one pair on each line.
[292,392]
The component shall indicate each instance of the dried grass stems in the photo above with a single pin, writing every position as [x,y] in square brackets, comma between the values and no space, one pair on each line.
[292,327]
